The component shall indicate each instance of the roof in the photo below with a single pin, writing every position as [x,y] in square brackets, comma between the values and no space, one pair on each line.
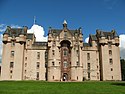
[56,32]
[105,34]
[15,31]
[86,45]
[93,37]
[29,35]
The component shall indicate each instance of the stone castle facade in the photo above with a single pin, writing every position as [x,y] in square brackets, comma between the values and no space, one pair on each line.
[64,57]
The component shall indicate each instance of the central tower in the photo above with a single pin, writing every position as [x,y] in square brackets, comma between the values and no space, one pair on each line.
[64,48]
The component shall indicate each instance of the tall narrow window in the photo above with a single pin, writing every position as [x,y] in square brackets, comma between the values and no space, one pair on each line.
[37,76]
[11,64]
[88,75]
[53,63]
[53,52]
[37,65]
[65,52]
[38,55]
[88,66]
[110,61]
[77,63]
[111,69]
[110,52]
[11,71]
[77,52]
[12,53]
[65,64]
[25,64]
[88,56]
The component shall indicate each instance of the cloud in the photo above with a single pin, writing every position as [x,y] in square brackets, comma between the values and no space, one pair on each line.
[122,46]
[39,33]
[2,27]
[87,40]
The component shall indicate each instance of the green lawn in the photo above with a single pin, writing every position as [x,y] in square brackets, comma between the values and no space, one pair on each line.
[39,87]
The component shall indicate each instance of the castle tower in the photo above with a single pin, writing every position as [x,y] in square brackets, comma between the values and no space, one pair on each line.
[13,52]
[109,55]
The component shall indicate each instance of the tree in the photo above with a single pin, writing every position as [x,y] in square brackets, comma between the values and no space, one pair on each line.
[123,69]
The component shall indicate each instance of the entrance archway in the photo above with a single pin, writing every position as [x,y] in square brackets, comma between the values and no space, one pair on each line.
[65,77]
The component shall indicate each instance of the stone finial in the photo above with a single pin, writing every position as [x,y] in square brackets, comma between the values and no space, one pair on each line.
[64,23]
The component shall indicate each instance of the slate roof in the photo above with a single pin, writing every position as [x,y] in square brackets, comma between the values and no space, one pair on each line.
[56,32]
[112,34]
[29,35]
[93,37]
[86,45]
[14,31]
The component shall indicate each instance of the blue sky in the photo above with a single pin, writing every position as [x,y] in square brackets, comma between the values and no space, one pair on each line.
[88,14]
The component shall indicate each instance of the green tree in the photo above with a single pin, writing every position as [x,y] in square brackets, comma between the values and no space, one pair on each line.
[123,69]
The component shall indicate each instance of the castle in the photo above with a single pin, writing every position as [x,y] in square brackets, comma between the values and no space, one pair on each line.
[64,57]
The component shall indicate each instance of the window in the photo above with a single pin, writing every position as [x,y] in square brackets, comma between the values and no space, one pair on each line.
[38,55]
[11,71]
[65,64]
[53,63]
[97,75]
[88,75]
[77,52]
[37,76]
[88,66]
[112,77]
[53,52]
[111,69]
[12,53]
[65,52]
[37,65]
[110,52]
[11,64]
[110,45]
[25,58]
[12,43]
[65,34]
[77,77]
[25,71]
[77,63]
[110,61]
[25,64]
[88,56]
[53,77]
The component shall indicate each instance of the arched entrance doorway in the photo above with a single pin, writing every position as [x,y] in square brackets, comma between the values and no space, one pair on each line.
[65,60]
[65,77]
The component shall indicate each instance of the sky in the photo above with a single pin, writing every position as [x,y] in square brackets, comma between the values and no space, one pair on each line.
[88,14]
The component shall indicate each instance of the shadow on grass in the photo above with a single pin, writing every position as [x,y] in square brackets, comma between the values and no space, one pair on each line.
[119,84]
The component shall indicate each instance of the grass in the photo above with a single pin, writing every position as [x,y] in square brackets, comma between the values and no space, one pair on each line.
[40,87]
